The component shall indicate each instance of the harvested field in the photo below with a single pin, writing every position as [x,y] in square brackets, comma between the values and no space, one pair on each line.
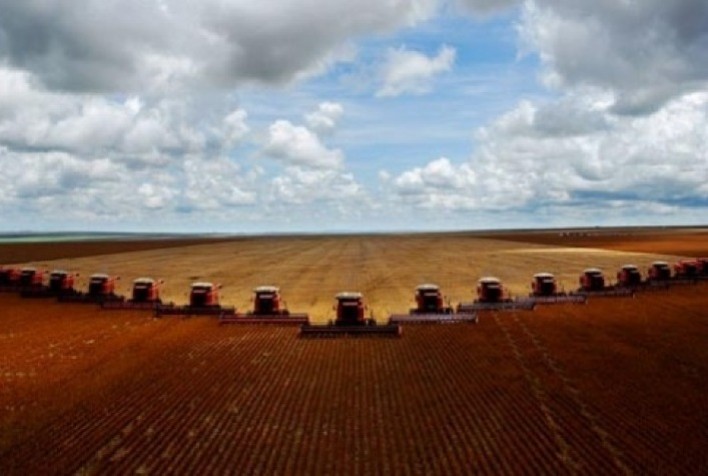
[614,386]
[311,270]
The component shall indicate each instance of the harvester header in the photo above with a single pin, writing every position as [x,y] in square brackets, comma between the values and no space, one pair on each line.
[431,308]
[268,308]
[350,320]
[491,296]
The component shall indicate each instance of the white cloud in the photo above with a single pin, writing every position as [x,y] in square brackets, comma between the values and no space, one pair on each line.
[486,7]
[235,127]
[137,45]
[297,145]
[644,52]
[407,71]
[595,159]
[218,183]
[300,186]
[324,120]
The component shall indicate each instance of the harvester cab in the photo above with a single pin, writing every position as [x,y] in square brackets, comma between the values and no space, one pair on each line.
[203,300]
[9,277]
[429,300]
[61,281]
[491,296]
[592,279]
[350,309]
[431,309]
[490,289]
[268,308]
[267,301]
[659,271]
[204,294]
[350,320]
[629,276]
[544,284]
[31,278]
[146,290]
[544,290]
[101,285]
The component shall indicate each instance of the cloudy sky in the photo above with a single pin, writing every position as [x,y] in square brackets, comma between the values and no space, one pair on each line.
[304,115]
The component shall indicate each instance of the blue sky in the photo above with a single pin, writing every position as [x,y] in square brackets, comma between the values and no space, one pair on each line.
[231,116]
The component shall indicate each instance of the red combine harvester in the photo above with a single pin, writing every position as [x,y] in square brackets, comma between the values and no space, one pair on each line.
[592,283]
[659,271]
[704,267]
[30,278]
[9,279]
[431,309]
[491,296]
[268,308]
[350,321]
[144,295]
[101,288]
[629,276]
[60,283]
[688,269]
[203,301]
[544,290]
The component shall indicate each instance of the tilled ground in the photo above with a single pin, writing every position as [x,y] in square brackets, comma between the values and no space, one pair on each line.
[614,386]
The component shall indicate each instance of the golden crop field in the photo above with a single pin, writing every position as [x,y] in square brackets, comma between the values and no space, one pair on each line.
[385,268]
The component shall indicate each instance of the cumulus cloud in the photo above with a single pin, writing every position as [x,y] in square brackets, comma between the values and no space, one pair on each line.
[407,71]
[235,127]
[486,7]
[137,45]
[297,145]
[299,186]
[645,53]
[324,120]
[524,160]
[217,183]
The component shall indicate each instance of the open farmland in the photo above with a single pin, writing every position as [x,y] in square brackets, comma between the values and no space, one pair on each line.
[386,268]
[617,386]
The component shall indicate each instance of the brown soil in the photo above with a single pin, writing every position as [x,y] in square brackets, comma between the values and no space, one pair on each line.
[615,386]
[684,242]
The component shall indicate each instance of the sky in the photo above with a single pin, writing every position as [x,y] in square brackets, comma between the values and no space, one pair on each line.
[237,116]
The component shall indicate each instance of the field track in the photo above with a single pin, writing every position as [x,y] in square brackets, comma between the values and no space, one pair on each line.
[617,386]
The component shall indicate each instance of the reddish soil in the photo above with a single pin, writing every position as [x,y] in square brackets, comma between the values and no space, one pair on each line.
[617,385]
[11,253]
[693,242]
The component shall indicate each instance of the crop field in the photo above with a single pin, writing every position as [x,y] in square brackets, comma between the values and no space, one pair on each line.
[615,386]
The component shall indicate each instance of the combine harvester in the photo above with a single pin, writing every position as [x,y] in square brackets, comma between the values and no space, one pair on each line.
[268,308]
[629,277]
[544,290]
[491,296]
[61,283]
[101,289]
[431,309]
[688,271]
[704,267]
[592,284]
[9,279]
[144,295]
[350,321]
[685,272]
[203,301]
